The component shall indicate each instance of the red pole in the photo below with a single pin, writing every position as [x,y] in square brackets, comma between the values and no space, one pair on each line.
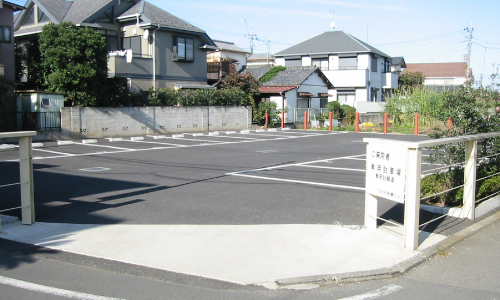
[357,122]
[305,120]
[330,117]
[267,118]
[416,123]
[386,121]
[283,119]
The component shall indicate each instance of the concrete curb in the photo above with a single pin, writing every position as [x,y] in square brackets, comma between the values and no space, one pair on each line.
[398,269]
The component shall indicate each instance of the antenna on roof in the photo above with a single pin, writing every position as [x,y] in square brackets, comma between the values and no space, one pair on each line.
[333,17]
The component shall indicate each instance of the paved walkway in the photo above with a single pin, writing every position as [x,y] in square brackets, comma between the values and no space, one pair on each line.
[243,254]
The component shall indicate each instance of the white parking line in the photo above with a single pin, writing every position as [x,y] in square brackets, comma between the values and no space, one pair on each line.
[103,146]
[55,152]
[51,290]
[303,182]
[334,168]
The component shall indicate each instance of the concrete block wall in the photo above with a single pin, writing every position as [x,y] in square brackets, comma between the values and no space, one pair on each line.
[99,122]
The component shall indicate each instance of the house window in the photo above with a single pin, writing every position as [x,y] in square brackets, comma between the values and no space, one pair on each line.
[320,63]
[293,63]
[45,102]
[346,97]
[5,34]
[374,64]
[134,43]
[348,63]
[183,49]
[302,102]
[111,37]
[323,102]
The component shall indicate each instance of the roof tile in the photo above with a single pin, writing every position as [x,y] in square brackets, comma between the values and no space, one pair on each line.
[453,69]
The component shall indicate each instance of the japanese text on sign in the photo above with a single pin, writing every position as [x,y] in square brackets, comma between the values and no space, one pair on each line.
[386,176]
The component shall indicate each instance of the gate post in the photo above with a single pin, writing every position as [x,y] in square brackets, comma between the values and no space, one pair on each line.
[469,205]
[26,177]
[412,199]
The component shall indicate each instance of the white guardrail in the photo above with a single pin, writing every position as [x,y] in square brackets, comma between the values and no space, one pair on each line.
[26,176]
[394,172]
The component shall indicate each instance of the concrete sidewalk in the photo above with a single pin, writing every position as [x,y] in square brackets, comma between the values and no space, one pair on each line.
[267,255]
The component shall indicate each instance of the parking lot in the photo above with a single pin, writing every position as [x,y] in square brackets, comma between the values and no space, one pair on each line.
[235,178]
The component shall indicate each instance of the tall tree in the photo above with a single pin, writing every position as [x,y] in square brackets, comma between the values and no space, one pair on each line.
[74,62]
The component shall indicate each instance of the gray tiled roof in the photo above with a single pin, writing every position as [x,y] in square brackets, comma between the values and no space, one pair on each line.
[57,8]
[157,15]
[291,76]
[228,46]
[80,10]
[257,72]
[330,42]
[259,56]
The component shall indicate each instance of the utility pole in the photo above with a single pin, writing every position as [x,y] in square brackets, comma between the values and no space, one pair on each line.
[468,55]
[251,36]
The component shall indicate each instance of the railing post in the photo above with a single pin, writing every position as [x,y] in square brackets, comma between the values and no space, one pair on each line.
[416,123]
[267,118]
[412,199]
[330,118]
[282,119]
[386,121]
[469,205]
[357,122]
[305,120]
[26,176]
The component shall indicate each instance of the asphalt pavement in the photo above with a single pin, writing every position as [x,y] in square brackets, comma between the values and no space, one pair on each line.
[239,209]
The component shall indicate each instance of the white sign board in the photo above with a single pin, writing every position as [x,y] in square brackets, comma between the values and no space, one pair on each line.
[386,171]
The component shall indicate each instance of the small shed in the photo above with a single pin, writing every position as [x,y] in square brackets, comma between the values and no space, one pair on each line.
[38,109]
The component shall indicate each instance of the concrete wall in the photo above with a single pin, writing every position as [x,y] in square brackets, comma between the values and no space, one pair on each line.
[99,122]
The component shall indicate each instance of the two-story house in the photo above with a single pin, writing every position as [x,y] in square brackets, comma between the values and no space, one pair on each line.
[7,65]
[147,45]
[361,74]
[219,60]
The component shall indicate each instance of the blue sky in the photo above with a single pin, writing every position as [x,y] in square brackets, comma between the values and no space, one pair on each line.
[421,31]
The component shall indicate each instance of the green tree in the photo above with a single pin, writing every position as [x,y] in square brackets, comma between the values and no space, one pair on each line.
[74,62]
[410,80]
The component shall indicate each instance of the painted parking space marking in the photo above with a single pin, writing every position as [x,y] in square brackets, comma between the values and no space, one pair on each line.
[51,290]
[246,173]
[54,152]
[103,146]
[334,168]
[302,182]
[167,146]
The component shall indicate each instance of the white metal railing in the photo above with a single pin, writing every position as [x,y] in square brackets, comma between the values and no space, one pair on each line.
[26,176]
[410,153]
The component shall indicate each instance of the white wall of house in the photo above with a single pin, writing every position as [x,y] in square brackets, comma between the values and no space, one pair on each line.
[364,61]
[279,61]
[442,81]
[306,61]
[333,62]
[347,78]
